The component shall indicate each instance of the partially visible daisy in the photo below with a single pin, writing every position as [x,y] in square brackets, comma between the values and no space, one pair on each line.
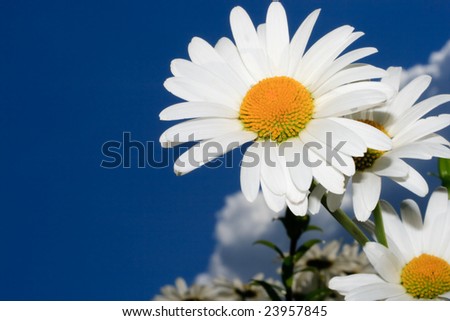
[181,292]
[320,264]
[268,90]
[236,290]
[417,263]
[412,137]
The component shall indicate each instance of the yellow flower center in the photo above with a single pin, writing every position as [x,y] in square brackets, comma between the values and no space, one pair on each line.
[426,277]
[277,108]
[371,155]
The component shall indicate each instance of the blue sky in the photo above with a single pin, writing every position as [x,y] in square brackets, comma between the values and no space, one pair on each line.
[75,74]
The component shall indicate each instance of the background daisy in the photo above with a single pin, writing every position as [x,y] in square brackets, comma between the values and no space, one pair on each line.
[413,137]
[417,263]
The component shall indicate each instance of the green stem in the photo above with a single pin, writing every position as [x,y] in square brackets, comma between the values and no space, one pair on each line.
[379,226]
[347,224]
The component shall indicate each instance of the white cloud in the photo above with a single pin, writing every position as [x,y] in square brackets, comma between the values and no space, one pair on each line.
[240,224]
[438,67]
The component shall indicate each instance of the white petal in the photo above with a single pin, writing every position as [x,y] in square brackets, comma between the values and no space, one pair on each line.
[348,75]
[203,54]
[398,237]
[271,169]
[445,295]
[207,151]
[422,128]
[360,190]
[407,97]
[300,208]
[373,138]
[262,35]
[435,220]
[331,156]
[200,129]
[251,171]
[228,51]
[413,182]
[412,150]
[334,201]
[277,39]
[327,175]
[315,199]
[274,202]
[197,110]
[351,98]
[321,52]
[190,90]
[416,112]
[187,69]
[393,78]
[390,166]
[344,61]
[412,223]
[301,174]
[247,42]
[300,40]
[332,133]
[385,263]
[373,292]
[371,190]
[345,284]
[437,204]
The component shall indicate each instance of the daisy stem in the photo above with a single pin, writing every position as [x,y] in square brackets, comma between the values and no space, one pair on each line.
[379,226]
[347,224]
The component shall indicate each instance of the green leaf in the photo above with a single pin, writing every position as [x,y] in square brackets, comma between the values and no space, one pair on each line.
[444,172]
[318,295]
[304,248]
[314,228]
[270,245]
[273,295]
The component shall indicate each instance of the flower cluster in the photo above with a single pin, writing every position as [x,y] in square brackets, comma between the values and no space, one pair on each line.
[315,120]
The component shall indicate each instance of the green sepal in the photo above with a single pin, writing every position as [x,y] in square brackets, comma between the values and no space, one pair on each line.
[294,225]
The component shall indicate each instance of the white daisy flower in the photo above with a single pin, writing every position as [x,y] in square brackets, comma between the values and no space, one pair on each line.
[268,90]
[320,264]
[417,263]
[181,292]
[412,137]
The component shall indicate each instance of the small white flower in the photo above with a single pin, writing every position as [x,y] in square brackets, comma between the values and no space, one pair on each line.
[268,90]
[412,137]
[324,263]
[181,292]
[417,263]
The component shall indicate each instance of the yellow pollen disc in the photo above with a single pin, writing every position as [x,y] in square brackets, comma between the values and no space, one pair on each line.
[277,108]
[426,277]
[371,155]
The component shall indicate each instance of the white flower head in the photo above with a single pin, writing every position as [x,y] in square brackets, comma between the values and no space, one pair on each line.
[268,90]
[182,292]
[417,263]
[412,137]
[321,263]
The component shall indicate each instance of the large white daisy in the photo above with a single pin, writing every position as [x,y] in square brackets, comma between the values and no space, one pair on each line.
[268,90]
[412,137]
[417,263]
